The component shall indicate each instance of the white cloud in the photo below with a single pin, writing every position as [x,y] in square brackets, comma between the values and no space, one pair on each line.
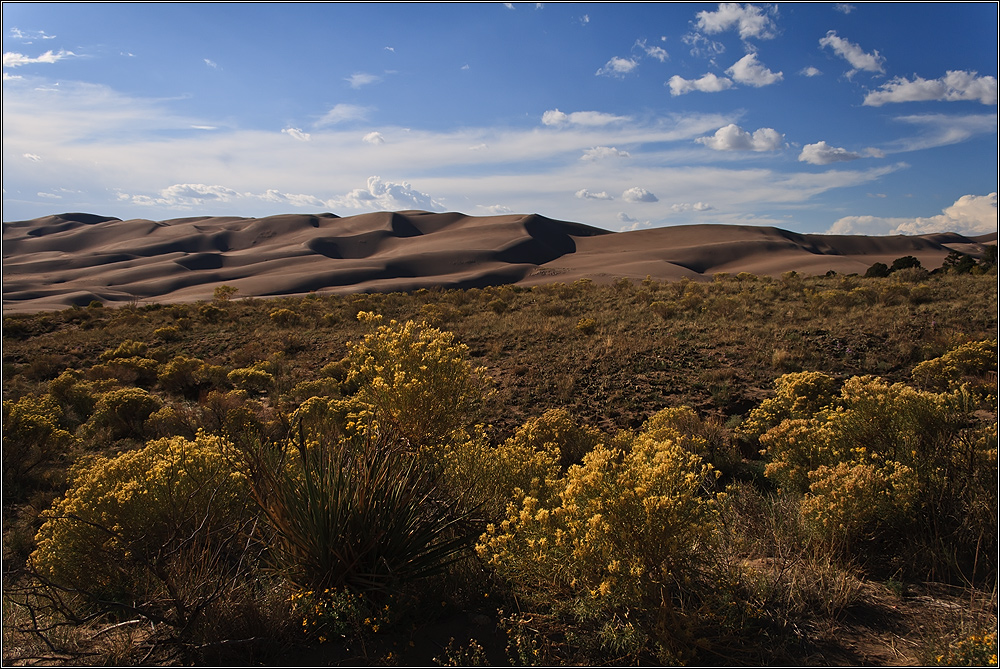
[11,59]
[360,79]
[810,72]
[632,223]
[702,47]
[582,118]
[942,130]
[709,83]
[343,112]
[955,85]
[659,53]
[970,215]
[748,70]
[749,20]
[601,152]
[734,138]
[495,209]
[29,36]
[822,153]
[374,138]
[843,7]
[296,133]
[682,207]
[636,194]
[48,196]
[212,64]
[387,196]
[390,49]
[617,67]
[585,194]
[853,54]
[509,5]
[32,157]
[585,19]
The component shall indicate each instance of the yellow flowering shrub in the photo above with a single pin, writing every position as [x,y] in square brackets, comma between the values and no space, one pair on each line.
[797,395]
[973,364]
[418,379]
[122,413]
[126,521]
[623,530]
[252,379]
[32,439]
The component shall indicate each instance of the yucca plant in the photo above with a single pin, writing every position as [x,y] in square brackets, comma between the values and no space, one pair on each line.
[356,512]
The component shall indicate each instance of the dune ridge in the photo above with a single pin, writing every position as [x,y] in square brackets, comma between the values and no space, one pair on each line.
[72,259]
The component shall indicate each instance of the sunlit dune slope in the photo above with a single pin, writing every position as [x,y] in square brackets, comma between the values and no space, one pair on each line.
[57,261]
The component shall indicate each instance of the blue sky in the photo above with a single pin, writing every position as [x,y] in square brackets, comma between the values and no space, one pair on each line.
[841,118]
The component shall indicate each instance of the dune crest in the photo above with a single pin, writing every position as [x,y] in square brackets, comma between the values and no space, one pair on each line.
[71,259]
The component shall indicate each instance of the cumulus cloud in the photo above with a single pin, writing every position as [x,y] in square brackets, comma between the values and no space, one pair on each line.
[750,71]
[709,83]
[734,138]
[749,20]
[970,215]
[374,137]
[585,118]
[630,223]
[810,72]
[386,196]
[296,133]
[11,59]
[585,194]
[955,85]
[495,209]
[822,153]
[617,67]
[636,194]
[601,152]
[853,54]
[343,112]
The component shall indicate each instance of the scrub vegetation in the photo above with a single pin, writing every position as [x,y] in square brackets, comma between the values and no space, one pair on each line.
[751,470]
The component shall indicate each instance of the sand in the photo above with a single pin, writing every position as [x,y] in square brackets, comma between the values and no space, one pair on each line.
[63,260]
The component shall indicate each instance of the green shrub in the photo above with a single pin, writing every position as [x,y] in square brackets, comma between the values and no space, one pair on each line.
[251,379]
[154,530]
[183,376]
[75,396]
[586,325]
[357,513]
[285,317]
[127,349]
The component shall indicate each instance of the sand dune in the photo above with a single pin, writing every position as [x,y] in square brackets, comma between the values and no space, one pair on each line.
[71,259]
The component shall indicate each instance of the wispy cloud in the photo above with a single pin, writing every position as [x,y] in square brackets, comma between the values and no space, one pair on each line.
[602,152]
[212,64]
[810,72]
[11,59]
[343,112]
[853,54]
[359,79]
[942,130]
[296,133]
[585,194]
[554,117]
[953,86]
[29,35]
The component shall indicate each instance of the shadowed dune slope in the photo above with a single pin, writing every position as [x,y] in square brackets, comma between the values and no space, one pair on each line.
[61,260]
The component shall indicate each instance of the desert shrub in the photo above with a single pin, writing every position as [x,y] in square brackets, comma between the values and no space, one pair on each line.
[167,333]
[664,310]
[586,325]
[627,534]
[32,440]
[251,379]
[358,513]
[224,293]
[913,274]
[877,270]
[122,413]
[211,313]
[498,306]
[75,396]
[797,395]
[417,379]
[127,371]
[973,364]
[303,390]
[183,376]
[285,317]
[127,349]
[905,262]
[707,439]
[905,477]
[152,531]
